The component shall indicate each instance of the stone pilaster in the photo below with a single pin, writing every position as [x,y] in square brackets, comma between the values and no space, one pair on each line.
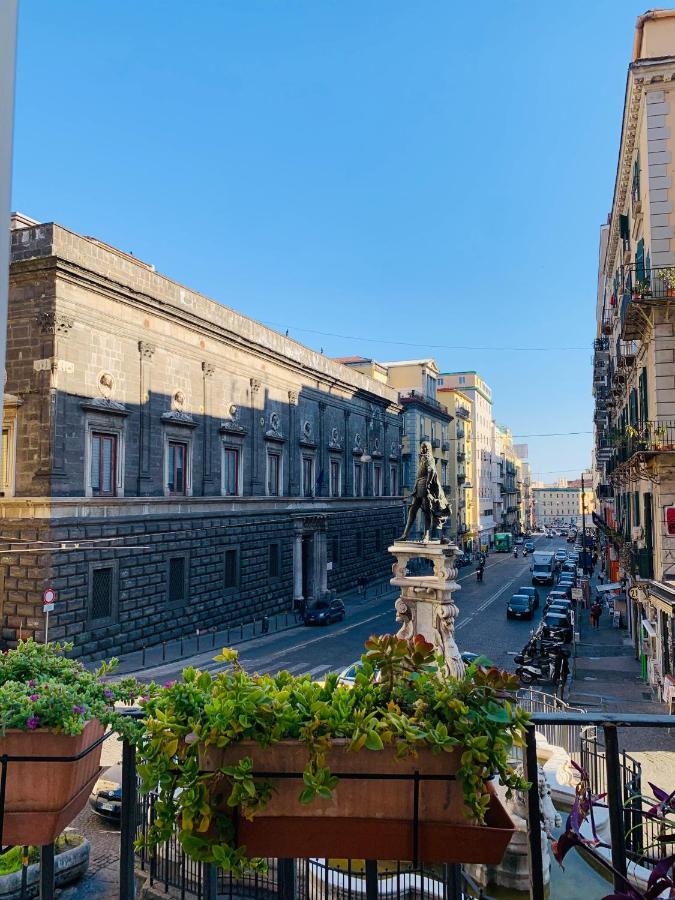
[146,351]
[207,449]
[293,455]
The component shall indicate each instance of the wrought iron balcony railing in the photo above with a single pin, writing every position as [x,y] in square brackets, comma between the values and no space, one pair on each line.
[645,437]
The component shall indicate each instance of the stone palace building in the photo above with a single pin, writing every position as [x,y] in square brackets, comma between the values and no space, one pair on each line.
[168,463]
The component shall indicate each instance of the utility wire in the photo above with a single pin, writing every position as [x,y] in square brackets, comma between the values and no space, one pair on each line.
[351,337]
[551,434]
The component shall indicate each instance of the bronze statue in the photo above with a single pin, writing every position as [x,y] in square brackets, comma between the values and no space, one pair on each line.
[428,496]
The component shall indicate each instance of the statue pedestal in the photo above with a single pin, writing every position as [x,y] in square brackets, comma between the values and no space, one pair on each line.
[426,606]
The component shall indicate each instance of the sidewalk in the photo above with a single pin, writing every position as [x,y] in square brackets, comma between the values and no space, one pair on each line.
[606,678]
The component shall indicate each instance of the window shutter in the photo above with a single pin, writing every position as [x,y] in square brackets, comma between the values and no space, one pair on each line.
[624,228]
[644,403]
[640,260]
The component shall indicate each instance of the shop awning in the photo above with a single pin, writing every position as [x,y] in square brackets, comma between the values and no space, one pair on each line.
[613,586]
[648,627]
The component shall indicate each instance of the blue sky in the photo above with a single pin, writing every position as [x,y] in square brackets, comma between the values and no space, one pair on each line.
[361,173]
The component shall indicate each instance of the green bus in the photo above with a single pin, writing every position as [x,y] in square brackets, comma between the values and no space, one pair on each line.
[503,542]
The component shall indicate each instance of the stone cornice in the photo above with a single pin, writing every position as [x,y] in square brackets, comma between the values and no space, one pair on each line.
[638,81]
[202,314]
[89,509]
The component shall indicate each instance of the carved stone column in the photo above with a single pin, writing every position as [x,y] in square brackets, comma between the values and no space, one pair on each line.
[293,455]
[257,483]
[146,352]
[426,605]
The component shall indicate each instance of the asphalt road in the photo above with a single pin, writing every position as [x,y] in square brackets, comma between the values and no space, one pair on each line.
[481,627]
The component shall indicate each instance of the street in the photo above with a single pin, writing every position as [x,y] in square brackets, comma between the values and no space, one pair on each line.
[482,627]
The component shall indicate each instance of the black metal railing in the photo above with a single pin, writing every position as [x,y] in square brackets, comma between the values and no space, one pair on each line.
[463,412]
[644,437]
[413,394]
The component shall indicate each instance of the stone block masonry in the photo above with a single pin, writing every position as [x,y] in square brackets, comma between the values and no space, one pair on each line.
[139,608]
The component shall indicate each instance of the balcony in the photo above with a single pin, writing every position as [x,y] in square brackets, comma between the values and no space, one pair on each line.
[461,456]
[417,396]
[604,492]
[460,434]
[601,344]
[647,438]
[462,412]
[436,443]
[461,477]
[625,353]
[445,446]
[642,288]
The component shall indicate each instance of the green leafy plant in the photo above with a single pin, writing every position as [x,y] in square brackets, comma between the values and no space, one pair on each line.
[642,288]
[11,860]
[402,698]
[41,688]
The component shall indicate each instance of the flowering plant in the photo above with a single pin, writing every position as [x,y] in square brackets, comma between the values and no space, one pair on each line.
[41,688]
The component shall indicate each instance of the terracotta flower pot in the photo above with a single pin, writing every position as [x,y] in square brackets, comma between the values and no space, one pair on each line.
[366,817]
[43,797]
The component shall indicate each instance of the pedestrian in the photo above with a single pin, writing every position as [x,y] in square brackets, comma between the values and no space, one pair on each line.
[601,578]
[596,611]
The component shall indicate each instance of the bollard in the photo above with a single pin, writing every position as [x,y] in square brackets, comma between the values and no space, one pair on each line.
[163,651]
[213,642]
[241,631]
[228,635]
[143,657]
[198,640]
[265,625]
[181,645]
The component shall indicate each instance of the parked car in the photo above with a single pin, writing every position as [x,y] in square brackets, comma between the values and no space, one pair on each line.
[556,595]
[106,796]
[348,676]
[519,540]
[322,612]
[561,556]
[530,592]
[555,625]
[529,546]
[570,566]
[520,606]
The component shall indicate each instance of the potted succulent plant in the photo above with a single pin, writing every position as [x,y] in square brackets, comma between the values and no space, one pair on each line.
[51,706]
[396,766]
[642,289]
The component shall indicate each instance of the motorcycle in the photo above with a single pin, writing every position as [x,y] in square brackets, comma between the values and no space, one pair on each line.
[479,574]
[543,671]
[515,553]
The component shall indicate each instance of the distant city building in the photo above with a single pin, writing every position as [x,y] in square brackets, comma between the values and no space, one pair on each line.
[171,465]
[462,481]
[555,505]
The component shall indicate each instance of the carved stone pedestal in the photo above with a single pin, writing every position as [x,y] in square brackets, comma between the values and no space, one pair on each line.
[426,606]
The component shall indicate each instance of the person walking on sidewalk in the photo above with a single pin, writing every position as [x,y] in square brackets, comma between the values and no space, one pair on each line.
[596,610]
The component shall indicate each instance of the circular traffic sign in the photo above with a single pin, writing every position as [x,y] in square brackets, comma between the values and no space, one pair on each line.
[48,595]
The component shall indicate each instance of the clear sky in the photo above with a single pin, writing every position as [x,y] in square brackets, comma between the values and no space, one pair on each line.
[385,178]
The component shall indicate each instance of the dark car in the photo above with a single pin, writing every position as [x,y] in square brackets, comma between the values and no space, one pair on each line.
[558,595]
[530,592]
[529,546]
[462,559]
[322,612]
[520,606]
[564,590]
[561,607]
[555,625]
[106,796]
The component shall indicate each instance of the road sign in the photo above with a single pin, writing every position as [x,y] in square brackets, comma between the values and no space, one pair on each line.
[48,595]
[634,593]
[577,594]
[580,571]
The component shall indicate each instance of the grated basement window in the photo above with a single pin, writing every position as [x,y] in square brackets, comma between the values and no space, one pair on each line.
[177,579]
[101,594]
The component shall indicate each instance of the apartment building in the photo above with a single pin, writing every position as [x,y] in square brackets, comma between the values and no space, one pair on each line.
[480,394]
[560,504]
[633,364]
[458,405]
[424,418]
